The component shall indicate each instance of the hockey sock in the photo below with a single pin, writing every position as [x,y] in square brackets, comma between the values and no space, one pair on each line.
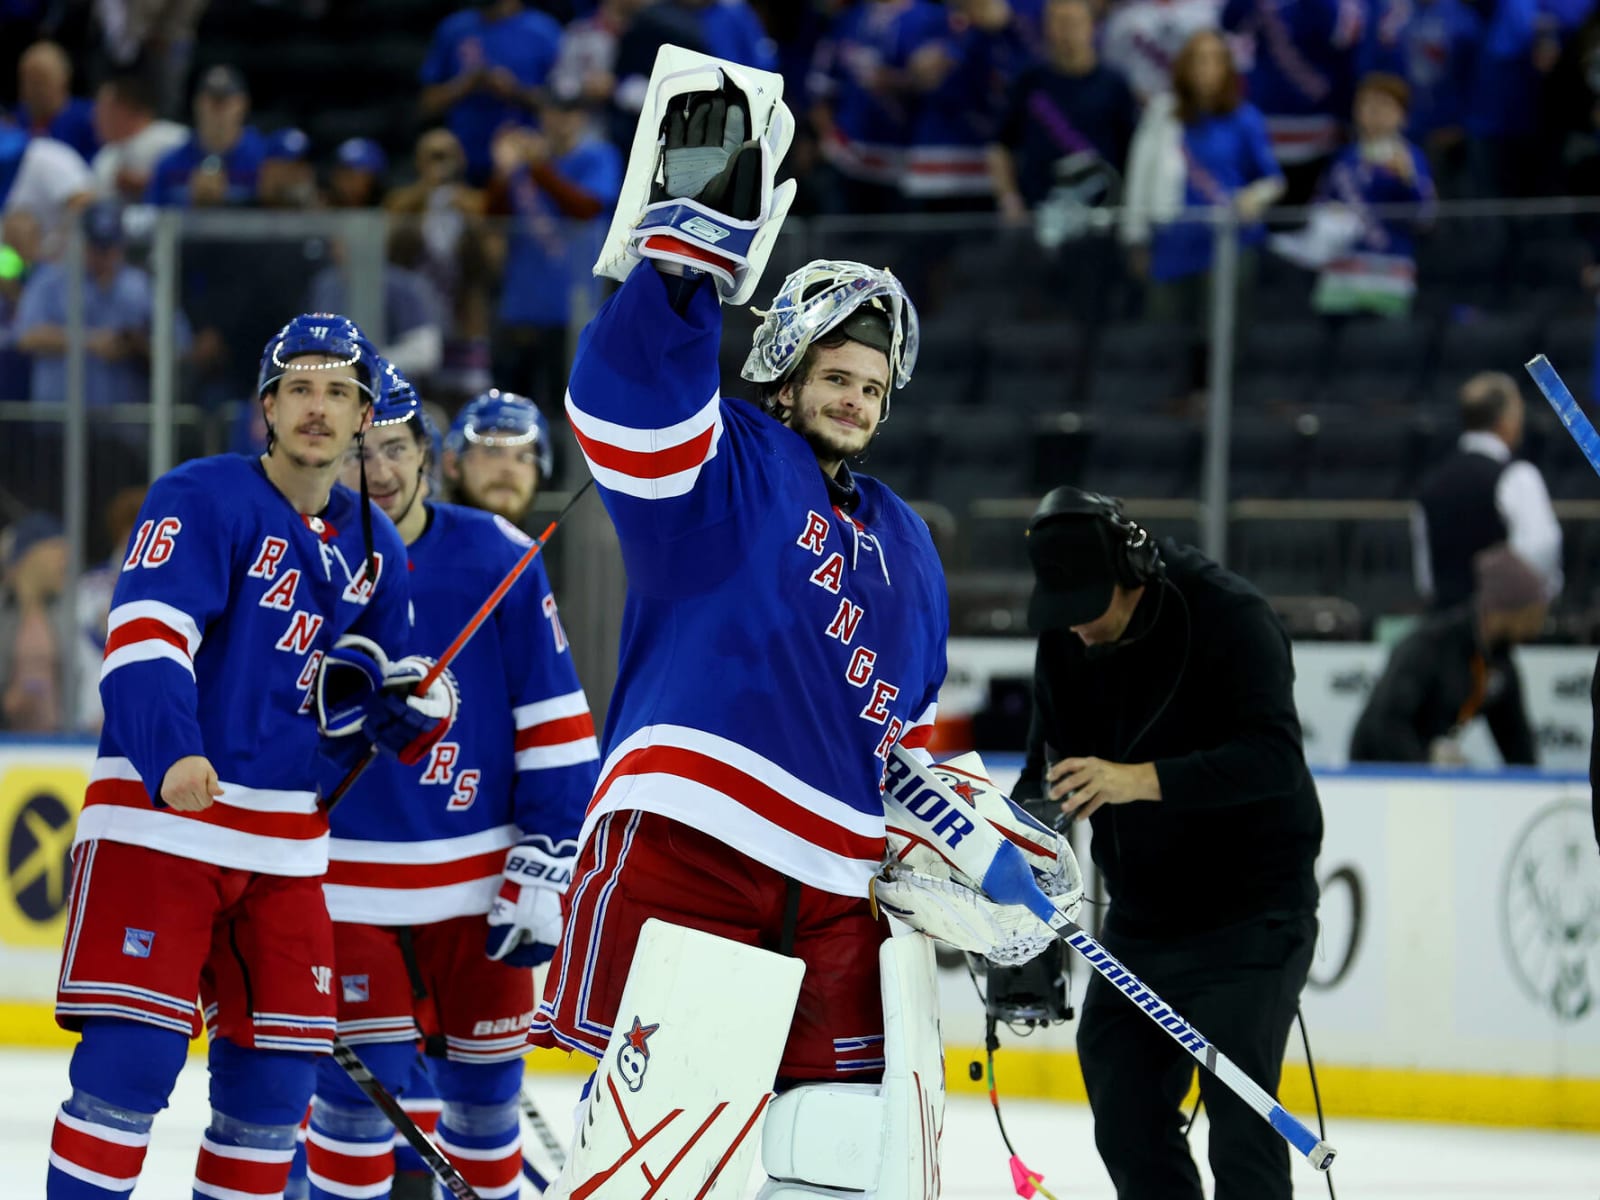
[422,1104]
[240,1159]
[295,1189]
[484,1143]
[349,1152]
[350,1144]
[258,1099]
[97,1149]
[122,1073]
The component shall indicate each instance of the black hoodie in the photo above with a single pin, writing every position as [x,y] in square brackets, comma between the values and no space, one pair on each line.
[1202,684]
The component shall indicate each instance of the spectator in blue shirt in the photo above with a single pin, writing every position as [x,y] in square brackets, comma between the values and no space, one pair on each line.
[219,163]
[1378,274]
[357,176]
[485,69]
[117,307]
[1433,46]
[1199,146]
[559,186]
[47,107]
[286,178]
[1069,104]
[733,31]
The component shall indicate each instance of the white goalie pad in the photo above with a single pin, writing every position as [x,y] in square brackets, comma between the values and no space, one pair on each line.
[675,1106]
[709,239]
[881,1140]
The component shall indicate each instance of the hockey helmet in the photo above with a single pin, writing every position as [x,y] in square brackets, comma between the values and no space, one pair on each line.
[868,304]
[496,418]
[327,334]
[397,400]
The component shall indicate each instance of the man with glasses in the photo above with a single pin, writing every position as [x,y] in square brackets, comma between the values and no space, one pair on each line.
[483,825]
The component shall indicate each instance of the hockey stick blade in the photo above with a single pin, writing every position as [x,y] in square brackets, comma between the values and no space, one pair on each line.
[385,1103]
[918,799]
[1566,406]
[462,638]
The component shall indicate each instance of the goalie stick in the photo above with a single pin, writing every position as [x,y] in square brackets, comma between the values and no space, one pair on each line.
[547,1138]
[385,1103]
[913,794]
[462,638]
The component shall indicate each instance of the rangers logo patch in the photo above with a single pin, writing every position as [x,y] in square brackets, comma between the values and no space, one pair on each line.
[633,1058]
[354,988]
[136,943]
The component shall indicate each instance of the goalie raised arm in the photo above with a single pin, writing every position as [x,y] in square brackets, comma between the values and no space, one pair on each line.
[700,192]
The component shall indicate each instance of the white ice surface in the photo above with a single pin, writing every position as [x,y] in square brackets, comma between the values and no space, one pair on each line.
[1377,1160]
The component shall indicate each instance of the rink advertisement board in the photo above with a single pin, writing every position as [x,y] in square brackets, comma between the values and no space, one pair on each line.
[1457,974]
[1332,681]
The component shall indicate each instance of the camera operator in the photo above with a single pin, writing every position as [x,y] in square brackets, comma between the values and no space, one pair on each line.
[1164,713]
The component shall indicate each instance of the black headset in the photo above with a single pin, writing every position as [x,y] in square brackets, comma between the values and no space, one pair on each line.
[1136,559]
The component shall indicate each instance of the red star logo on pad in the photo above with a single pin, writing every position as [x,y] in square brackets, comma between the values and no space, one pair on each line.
[639,1034]
[967,792]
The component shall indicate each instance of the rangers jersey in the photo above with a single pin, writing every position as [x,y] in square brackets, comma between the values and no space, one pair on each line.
[222,611]
[417,844]
[774,648]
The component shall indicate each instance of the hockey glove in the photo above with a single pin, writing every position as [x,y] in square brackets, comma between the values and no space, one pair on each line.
[960,916]
[348,677]
[404,723]
[525,918]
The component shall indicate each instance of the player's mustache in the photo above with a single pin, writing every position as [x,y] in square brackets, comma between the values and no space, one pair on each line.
[313,427]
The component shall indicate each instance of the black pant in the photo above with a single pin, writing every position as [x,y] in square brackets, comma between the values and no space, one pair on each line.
[1239,987]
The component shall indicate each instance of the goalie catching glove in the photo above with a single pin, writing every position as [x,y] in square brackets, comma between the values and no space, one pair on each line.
[919,887]
[358,690]
[701,188]
[525,918]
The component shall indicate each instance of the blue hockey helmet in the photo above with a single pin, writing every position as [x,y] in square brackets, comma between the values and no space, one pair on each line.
[326,334]
[496,418]
[397,400]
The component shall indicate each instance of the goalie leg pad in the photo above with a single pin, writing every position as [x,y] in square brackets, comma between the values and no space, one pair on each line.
[674,1107]
[735,252]
[877,1139]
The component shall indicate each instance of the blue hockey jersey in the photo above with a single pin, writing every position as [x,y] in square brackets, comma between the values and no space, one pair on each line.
[225,604]
[1303,76]
[418,844]
[773,648]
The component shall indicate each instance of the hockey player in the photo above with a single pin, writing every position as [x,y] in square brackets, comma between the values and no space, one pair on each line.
[484,826]
[498,454]
[785,628]
[201,846]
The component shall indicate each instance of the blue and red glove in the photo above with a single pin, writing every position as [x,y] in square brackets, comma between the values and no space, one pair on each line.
[359,690]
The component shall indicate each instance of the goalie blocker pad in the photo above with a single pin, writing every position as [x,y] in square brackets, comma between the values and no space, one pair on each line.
[673,1110]
[734,252]
[878,1139]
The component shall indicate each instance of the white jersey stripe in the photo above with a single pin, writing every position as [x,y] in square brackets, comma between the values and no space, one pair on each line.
[573,704]
[175,619]
[562,754]
[646,441]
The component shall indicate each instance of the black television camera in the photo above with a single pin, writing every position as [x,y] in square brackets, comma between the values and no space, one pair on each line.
[1036,993]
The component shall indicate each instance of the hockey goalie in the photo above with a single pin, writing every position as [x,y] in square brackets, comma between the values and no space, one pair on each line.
[784,634]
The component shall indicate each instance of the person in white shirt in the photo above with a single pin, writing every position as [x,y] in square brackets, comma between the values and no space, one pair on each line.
[132,138]
[1483,495]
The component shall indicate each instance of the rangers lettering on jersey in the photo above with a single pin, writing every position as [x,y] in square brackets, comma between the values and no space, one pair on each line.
[179,680]
[719,607]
